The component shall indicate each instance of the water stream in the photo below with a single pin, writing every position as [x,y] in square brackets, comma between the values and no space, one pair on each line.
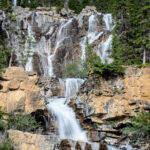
[68,126]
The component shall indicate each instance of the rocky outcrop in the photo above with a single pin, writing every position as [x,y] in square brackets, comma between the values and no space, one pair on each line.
[46,41]
[19,90]
[107,103]
[29,141]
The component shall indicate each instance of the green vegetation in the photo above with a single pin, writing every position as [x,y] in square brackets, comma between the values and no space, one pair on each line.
[19,121]
[92,62]
[143,65]
[3,125]
[139,128]
[131,42]
[78,5]
[7,144]
[23,122]
[116,91]
[111,123]
[4,56]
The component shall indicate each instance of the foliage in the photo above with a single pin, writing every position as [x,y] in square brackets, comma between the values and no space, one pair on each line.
[3,125]
[107,69]
[92,62]
[111,123]
[80,69]
[19,121]
[73,70]
[139,127]
[78,5]
[7,144]
[116,91]
[4,56]
[143,65]
[131,42]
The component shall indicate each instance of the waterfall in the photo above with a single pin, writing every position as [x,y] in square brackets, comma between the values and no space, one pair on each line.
[29,48]
[68,125]
[92,34]
[3,24]
[105,46]
[61,36]
[103,50]
[71,86]
[108,21]
[15,2]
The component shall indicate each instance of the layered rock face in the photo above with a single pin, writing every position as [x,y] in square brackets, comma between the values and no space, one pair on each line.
[46,41]
[19,90]
[29,141]
[110,101]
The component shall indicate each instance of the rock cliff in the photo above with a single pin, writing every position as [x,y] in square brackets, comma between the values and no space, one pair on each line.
[46,41]
[108,102]
[19,90]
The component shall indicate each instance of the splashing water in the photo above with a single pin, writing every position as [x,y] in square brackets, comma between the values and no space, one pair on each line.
[68,125]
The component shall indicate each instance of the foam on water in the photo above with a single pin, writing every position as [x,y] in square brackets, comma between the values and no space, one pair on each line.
[68,126]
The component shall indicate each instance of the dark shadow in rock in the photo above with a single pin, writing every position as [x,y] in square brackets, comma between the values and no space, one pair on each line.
[78,147]
[65,145]
[103,146]
[88,147]
[1,87]
[41,118]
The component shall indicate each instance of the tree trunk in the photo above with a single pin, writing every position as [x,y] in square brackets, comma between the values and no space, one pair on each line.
[144,56]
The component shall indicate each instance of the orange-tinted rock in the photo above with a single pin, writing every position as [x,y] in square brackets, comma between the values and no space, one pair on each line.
[20,91]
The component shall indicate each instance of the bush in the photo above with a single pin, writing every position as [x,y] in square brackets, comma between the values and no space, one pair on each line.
[7,144]
[139,128]
[3,125]
[75,70]
[92,62]
[107,69]
[17,120]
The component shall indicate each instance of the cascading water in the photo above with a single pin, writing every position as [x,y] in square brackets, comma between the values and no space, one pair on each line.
[104,47]
[29,48]
[61,36]
[103,50]
[3,24]
[15,2]
[108,21]
[71,86]
[93,35]
[68,125]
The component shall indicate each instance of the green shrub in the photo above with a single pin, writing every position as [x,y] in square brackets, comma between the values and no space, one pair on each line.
[143,65]
[7,144]
[17,120]
[75,70]
[107,69]
[3,124]
[139,128]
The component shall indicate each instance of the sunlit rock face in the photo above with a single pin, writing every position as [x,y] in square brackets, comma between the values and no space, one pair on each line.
[114,99]
[19,90]
[26,141]
[46,41]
